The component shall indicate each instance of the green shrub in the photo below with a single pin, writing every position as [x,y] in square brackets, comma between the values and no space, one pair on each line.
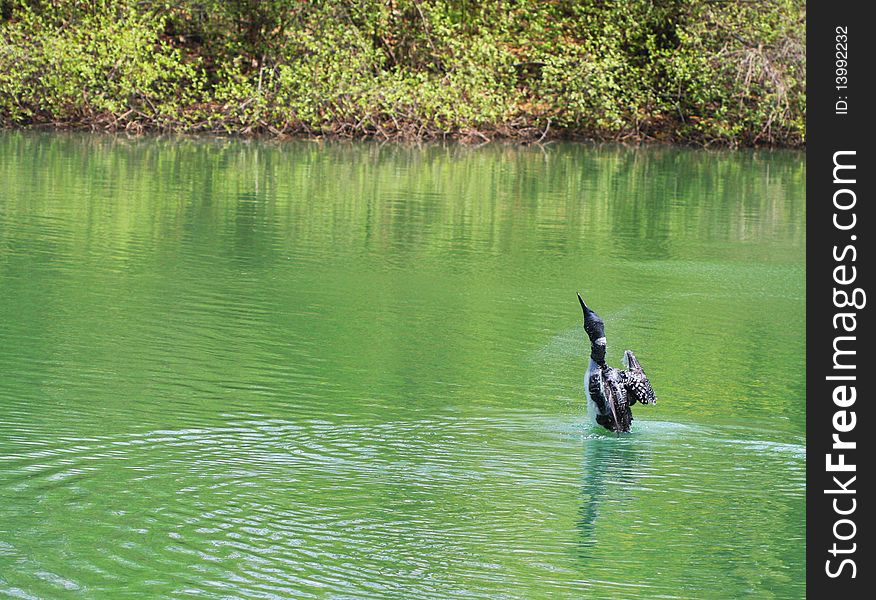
[695,71]
[104,65]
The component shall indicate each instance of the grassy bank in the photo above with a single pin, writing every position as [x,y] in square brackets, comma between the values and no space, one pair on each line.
[704,72]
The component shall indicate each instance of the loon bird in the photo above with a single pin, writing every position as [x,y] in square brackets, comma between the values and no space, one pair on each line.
[611,392]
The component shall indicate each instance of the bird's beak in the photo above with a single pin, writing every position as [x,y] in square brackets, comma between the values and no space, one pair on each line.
[581,300]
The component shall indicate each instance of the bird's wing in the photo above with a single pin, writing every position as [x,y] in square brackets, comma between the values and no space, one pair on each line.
[639,387]
[611,397]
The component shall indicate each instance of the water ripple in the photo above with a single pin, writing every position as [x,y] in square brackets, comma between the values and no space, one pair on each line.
[270,371]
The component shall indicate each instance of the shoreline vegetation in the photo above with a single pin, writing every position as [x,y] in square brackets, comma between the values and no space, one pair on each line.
[700,72]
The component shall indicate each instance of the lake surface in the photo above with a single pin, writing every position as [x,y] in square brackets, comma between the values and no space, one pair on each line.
[272,370]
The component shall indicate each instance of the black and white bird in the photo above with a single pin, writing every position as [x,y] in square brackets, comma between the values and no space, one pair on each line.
[611,392]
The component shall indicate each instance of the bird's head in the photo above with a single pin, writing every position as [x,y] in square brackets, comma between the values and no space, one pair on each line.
[593,324]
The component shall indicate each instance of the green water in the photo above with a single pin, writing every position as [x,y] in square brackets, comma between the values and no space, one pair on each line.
[259,370]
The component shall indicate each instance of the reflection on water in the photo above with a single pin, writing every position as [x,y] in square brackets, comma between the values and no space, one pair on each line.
[256,370]
[605,461]
[670,489]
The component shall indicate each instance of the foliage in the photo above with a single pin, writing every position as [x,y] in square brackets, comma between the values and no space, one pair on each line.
[111,65]
[704,71]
